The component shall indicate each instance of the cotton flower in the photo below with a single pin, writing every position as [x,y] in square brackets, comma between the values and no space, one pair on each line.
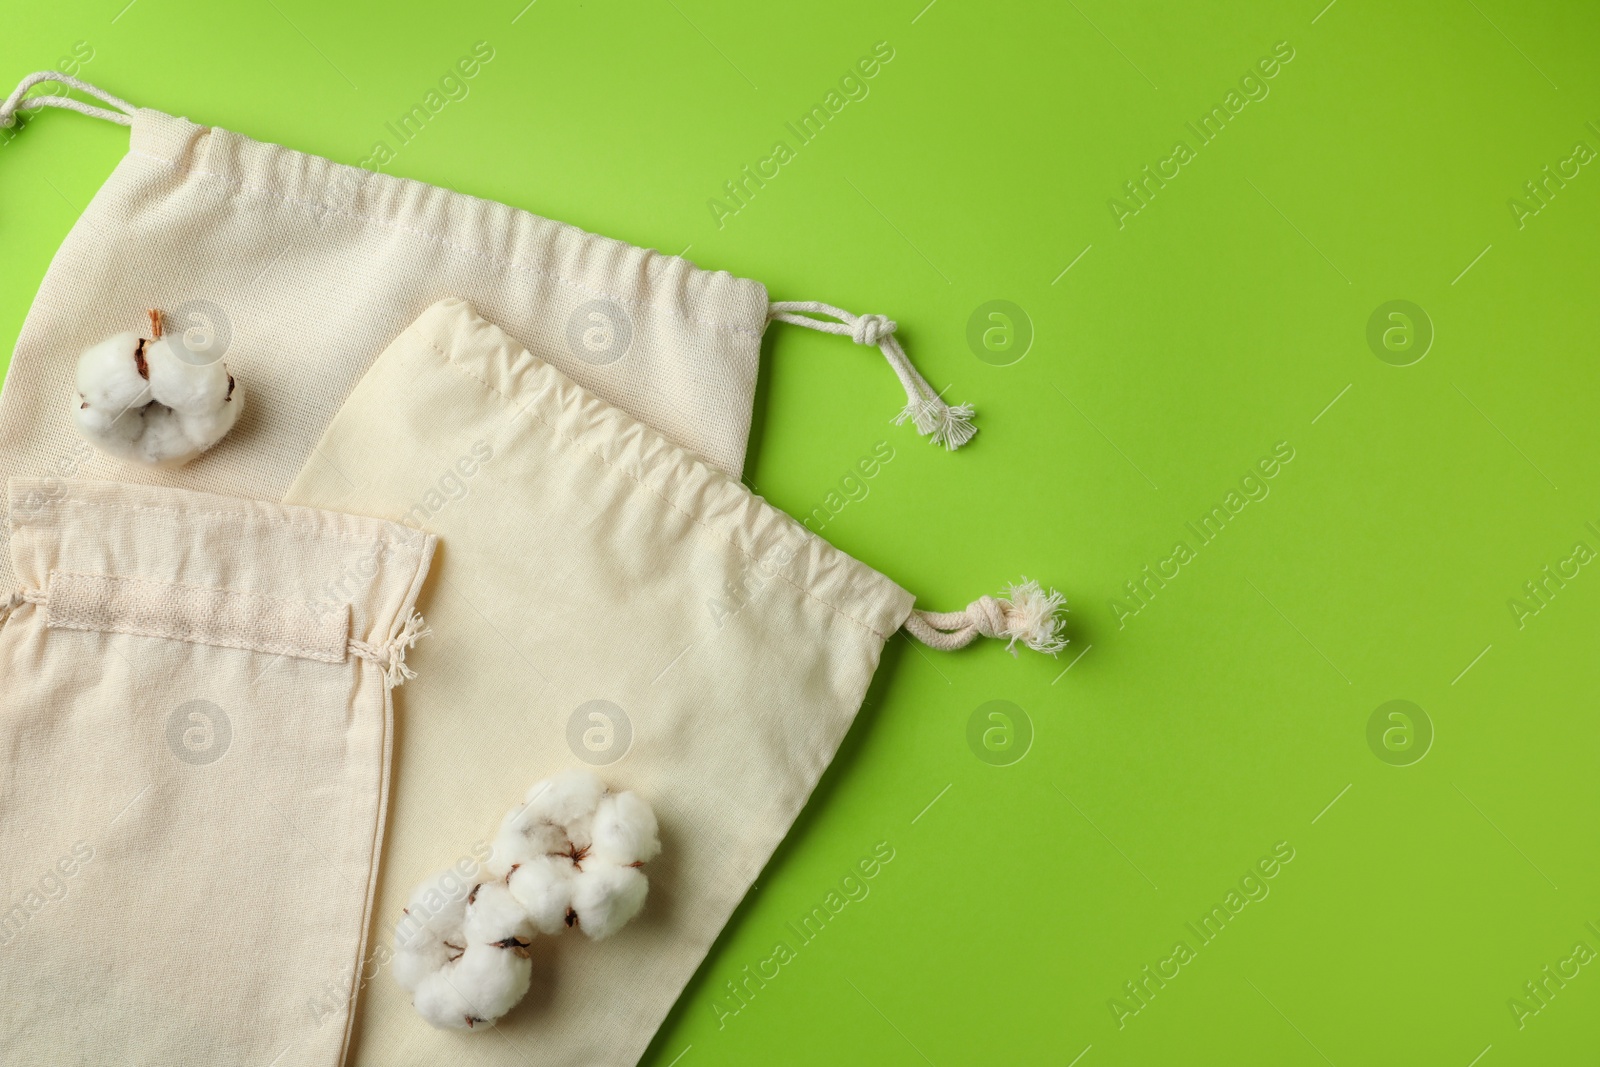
[142,401]
[571,854]
[461,951]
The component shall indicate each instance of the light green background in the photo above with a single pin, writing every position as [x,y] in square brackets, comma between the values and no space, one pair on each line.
[1171,753]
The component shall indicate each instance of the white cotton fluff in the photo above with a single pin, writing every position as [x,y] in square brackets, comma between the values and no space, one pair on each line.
[461,951]
[604,898]
[571,854]
[1033,617]
[553,816]
[625,830]
[543,886]
[140,401]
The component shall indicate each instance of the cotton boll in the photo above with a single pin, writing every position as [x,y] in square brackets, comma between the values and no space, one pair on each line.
[412,965]
[462,951]
[625,830]
[113,428]
[521,838]
[604,898]
[580,833]
[206,428]
[112,395]
[139,400]
[429,933]
[543,887]
[495,917]
[163,442]
[565,797]
[493,979]
[475,991]
[594,843]
[181,385]
[439,1002]
[108,374]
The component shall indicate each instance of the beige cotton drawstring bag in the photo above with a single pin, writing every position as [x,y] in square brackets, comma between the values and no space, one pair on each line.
[602,597]
[299,270]
[196,722]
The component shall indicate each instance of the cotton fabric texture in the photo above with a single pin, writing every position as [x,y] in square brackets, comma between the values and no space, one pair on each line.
[196,728]
[602,596]
[304,270]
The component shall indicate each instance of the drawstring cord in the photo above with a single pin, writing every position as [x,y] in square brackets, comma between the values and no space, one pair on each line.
[123,116]
[934,419]
[391,656]
[15,600]
[1024,613]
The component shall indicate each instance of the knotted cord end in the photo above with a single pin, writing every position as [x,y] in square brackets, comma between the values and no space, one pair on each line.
[397,672]
[1024,612]
[941,423]
[392,655]
[1033,617]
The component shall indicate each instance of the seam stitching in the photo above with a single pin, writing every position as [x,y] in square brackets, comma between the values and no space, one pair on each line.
[18,524]
[266,649]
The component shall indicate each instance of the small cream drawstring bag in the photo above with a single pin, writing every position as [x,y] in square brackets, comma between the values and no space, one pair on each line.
[196,721]
[602,597]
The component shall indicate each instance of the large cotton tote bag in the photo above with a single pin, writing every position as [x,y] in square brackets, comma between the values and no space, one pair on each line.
[298,271]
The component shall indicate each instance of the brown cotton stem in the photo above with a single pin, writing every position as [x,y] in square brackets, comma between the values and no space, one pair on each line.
[155,324]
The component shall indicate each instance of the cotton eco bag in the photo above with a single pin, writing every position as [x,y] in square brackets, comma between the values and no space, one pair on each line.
[299,271]
[296,270]
[602,597]
[196,722]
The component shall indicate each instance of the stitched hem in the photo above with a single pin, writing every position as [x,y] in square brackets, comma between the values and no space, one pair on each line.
[222,516]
